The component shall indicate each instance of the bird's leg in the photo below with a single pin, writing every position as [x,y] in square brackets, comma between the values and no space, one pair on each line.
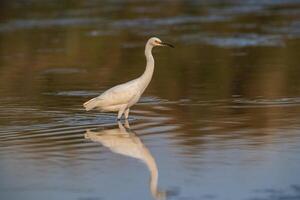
[120,113]
[126,113]
[121,127]
[127,126]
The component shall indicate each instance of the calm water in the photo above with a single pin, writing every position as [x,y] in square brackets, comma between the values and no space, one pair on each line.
[220,119]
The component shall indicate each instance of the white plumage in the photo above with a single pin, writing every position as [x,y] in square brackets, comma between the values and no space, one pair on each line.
[121,97]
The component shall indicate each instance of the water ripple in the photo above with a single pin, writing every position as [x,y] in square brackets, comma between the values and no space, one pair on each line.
[268,102]
[45,23]
[237,41]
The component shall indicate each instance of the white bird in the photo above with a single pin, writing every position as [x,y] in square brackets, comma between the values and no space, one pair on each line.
[121,97]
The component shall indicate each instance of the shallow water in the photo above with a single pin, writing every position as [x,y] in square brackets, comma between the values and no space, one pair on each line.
[220,119]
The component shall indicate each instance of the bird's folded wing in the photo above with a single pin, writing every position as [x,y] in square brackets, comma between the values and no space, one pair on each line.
[120,94]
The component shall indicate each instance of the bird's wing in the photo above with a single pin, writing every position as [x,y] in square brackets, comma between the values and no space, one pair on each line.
[120,94]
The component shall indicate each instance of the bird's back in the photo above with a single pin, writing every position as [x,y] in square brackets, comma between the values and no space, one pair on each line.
[118,95]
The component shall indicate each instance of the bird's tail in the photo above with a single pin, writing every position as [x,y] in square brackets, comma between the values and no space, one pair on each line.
[91,104]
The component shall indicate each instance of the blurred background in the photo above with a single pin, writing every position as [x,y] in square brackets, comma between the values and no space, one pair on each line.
[220,118]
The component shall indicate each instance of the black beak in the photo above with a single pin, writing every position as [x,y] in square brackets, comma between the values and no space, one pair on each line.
[167,44]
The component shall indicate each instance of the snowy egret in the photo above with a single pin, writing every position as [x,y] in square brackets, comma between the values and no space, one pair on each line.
[125,142]
[121,97]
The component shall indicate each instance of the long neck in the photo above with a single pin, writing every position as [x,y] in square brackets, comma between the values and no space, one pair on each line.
[147,75]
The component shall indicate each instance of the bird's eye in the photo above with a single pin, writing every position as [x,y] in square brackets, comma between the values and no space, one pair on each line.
[156,41]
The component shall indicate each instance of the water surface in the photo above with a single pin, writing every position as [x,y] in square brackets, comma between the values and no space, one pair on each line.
[220,119]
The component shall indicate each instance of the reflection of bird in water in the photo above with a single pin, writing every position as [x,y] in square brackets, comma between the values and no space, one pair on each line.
[123,141]
[121,97]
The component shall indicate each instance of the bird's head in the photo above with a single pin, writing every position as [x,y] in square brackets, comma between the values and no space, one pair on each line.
[154,41]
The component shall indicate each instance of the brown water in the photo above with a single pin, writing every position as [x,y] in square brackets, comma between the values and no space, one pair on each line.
[220,119]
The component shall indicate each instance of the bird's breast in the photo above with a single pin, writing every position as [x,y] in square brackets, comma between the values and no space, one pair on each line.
[134,100]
